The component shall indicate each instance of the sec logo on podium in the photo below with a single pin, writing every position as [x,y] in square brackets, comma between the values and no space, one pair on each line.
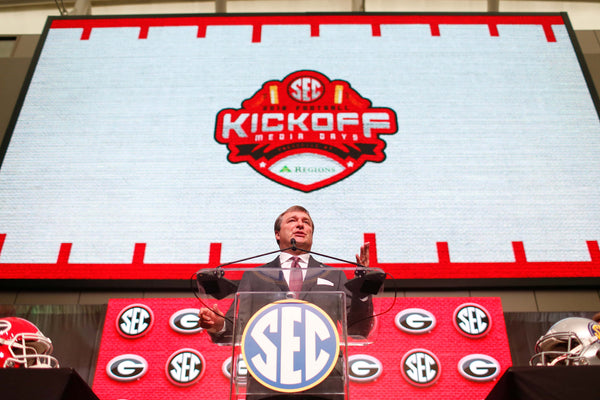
[290,346]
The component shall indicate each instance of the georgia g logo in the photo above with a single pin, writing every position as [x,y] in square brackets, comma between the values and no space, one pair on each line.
[479,368]
[290,346]
[415,321]
[127,367]
[364,368]
[240,371]
[186,321]
[305,131]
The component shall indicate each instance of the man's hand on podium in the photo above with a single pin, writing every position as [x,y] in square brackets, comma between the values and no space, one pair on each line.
[211,319]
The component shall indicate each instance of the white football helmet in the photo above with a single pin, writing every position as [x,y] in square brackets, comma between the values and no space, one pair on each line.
[22,345]
[570,341]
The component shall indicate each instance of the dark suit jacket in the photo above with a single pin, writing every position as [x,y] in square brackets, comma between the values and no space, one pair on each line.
[319,278]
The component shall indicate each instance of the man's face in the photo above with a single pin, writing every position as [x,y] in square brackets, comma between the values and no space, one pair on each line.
[297,225]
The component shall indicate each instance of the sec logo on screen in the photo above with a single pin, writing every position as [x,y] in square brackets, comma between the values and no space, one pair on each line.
[306,131]
[290,346]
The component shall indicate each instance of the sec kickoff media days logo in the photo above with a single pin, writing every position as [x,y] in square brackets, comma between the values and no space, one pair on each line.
[290,346]
[305,132]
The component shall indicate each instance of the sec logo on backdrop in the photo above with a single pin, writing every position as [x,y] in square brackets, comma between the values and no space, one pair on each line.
[472,320]
[421,368]
[290,346]
[185,367]
[135,321]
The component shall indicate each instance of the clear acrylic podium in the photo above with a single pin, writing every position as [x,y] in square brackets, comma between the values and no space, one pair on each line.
[291,344]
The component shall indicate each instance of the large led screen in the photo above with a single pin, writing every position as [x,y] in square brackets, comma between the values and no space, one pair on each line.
[464,148]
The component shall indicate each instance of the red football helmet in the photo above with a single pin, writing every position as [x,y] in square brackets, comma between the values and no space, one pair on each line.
[22,345]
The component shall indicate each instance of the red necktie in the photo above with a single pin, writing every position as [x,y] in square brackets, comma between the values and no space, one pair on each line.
[296,275]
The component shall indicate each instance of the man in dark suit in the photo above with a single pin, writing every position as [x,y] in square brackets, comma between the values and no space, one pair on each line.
[282,277]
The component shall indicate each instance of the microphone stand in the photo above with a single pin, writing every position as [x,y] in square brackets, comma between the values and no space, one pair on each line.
[295,248]
[216,285]
[365,281]
[257,256]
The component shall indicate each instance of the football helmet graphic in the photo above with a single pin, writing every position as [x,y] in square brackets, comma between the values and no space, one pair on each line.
[22,345]
[570,341]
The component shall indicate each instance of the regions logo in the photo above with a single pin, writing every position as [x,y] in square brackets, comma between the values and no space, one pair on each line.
[305,132]
[421,368]
[134,321]
[472,320]
[290,346]
[185,367]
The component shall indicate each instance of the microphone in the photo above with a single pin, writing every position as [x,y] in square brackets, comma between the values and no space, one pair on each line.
[293,242]
[368,282]
[214,284]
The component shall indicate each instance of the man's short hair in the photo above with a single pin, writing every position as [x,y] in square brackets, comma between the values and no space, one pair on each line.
[292,208]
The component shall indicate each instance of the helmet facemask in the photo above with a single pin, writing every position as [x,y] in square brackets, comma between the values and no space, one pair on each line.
[27,349]
[565,347]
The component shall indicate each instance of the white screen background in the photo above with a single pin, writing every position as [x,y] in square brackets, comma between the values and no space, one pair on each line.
[498,141]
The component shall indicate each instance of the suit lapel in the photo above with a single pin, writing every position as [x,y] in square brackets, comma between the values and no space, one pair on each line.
[276,274]
[314,270]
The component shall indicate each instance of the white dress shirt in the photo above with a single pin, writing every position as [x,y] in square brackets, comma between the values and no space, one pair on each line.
[285,259]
